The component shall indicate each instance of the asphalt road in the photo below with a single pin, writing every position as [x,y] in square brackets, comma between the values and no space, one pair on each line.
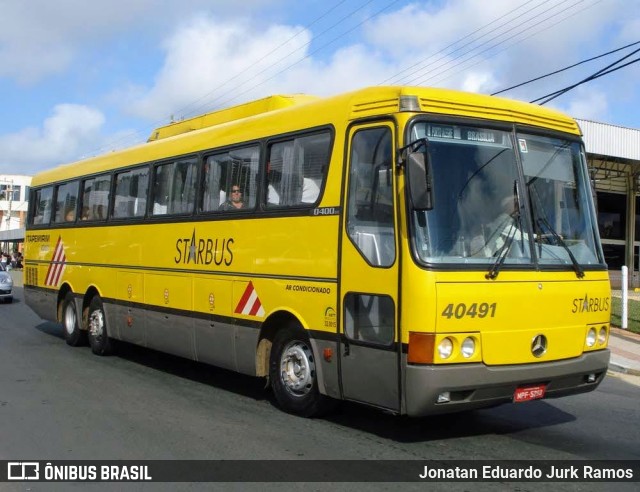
[64,403]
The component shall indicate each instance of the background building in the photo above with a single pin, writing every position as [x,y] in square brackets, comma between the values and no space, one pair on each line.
[14,198]
[613,156]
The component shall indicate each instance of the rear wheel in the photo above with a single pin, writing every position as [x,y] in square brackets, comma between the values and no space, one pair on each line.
[73,335]
[98,335]
[292,372]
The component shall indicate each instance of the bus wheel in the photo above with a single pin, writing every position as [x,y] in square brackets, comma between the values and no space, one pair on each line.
[292,372]
[73,335]
[99,339]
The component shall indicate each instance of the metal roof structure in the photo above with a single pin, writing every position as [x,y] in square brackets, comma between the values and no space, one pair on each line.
[611,140]
[613,155]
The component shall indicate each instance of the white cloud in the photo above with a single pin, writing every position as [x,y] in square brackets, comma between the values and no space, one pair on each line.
[42,37]
[211,64]
[479,81]
[208,58]
[349,68]
[70,131]
[440,44]
[588,104]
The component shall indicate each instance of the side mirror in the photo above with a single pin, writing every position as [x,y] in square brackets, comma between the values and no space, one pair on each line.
[420,180]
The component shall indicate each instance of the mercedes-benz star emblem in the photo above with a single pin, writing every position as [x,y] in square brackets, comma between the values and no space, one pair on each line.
[539,345]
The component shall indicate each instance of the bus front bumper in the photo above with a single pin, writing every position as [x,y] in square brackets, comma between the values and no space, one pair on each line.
[471,386]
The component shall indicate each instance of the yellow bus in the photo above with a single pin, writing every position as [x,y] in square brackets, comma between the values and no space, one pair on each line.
[419,250]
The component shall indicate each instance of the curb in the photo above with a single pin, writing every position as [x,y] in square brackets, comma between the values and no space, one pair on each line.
[619,368]
[627,336]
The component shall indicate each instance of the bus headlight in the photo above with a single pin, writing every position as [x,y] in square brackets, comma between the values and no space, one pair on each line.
[445,348]
[591,337]
[468,347]
[602,335]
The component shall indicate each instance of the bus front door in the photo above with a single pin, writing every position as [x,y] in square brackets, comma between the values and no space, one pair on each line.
[369,352]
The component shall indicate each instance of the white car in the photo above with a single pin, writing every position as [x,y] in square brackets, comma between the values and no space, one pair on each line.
[6,285]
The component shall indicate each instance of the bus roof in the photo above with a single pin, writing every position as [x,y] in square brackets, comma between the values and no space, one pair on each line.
[285,113]
[225,115]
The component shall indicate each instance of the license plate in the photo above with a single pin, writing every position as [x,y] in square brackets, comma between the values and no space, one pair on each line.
[527,393]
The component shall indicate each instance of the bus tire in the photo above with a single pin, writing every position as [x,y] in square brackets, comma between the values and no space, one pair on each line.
[292,374]
[73,334]
[97,332]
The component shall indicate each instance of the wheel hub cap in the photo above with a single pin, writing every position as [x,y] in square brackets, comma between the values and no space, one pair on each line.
[297,368]
[96,323]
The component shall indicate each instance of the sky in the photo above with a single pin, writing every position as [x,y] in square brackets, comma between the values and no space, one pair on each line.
[80,78]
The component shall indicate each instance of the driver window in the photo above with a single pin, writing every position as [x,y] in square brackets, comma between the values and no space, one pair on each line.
[370,201]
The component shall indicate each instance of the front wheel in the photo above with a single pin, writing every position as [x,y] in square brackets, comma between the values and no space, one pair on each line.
[292,373]
[98,335]
[73,335]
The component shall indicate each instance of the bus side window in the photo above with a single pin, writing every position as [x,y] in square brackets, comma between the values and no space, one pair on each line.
[173,187]
[131,193]
[42,200]
[229,180]
[95,198]
[296,170]
[212,195]
[369,318]
[66,202]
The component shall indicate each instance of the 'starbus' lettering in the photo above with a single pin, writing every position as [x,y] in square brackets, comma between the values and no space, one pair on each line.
[588,304]
[201,251]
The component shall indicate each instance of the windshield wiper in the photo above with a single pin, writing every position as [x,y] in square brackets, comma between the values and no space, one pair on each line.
[503,251]
[516,225]
[576,266]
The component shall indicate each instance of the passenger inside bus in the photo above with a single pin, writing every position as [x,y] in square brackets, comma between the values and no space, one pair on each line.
[235,202]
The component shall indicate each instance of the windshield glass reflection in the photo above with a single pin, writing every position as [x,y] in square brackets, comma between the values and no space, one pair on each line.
[476,197]
[480,202]
[559,194]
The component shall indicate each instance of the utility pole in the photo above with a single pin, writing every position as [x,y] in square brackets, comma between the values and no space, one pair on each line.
[8,195]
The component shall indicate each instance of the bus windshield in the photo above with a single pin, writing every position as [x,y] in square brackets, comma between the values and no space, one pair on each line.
[487,211]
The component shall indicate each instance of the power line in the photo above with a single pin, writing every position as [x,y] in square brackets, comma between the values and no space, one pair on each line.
[530,35]
[564,69]
[137,133]
[390,79]
[527,22]
[605,71]
[311,53]
[273,64]
[535,33]
[389,5]
[471,46]
[242,71]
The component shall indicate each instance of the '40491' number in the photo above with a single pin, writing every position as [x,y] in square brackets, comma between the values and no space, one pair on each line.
[475,310]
